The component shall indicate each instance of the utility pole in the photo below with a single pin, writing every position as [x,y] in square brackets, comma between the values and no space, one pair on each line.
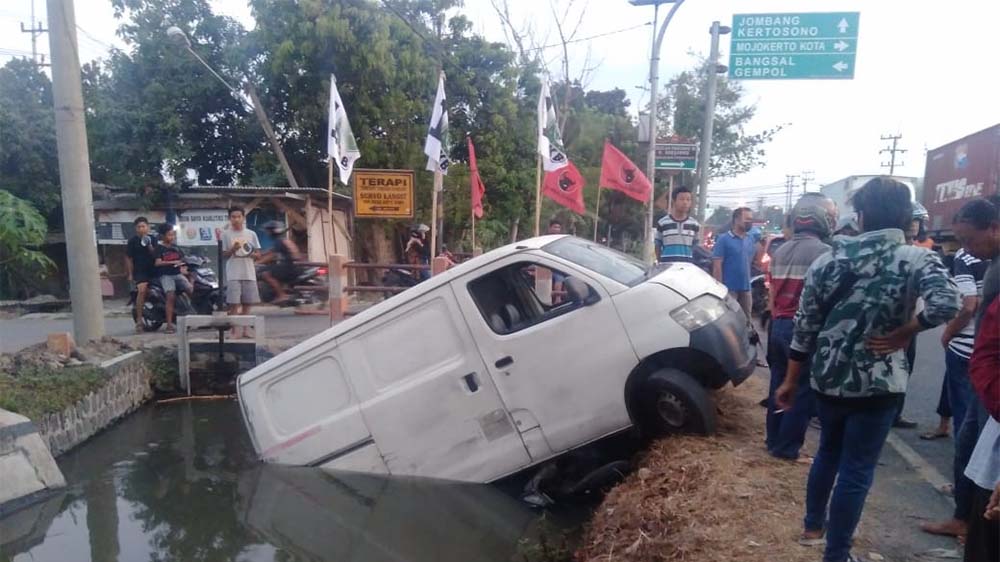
[705,154]
[789,188]
[74,174]
[35,30]
[807,176]
[892,150]
[654,86]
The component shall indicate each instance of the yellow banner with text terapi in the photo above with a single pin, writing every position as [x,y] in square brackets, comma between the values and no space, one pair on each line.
[383,194]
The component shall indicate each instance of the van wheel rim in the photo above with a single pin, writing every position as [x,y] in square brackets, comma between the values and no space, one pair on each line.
[671,410]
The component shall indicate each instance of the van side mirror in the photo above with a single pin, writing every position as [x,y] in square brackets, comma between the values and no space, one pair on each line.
[580,293]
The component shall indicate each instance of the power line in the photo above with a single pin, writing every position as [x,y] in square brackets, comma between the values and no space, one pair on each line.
[592,37]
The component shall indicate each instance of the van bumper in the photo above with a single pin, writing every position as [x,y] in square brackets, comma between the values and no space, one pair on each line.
[728,340]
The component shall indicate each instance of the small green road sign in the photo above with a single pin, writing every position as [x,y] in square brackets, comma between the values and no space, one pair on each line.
[794,46]
[671,156]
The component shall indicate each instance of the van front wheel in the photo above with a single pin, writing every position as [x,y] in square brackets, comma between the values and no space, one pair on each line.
[672,401]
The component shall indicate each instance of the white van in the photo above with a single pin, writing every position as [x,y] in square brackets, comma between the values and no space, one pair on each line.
[503,362]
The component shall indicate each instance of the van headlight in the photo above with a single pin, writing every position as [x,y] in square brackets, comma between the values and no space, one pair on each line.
[700,311]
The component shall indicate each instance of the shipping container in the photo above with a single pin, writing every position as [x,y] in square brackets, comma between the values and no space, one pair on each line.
[956,173]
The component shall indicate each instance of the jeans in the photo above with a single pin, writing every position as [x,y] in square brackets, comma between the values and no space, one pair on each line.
[850,443]
[965,442]
[786,431]
[944,403]
[958,387]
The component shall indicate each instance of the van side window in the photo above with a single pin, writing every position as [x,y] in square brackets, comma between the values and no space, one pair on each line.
[524,294]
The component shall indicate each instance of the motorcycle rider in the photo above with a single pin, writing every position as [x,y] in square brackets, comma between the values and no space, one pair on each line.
[281,259]
[418,250]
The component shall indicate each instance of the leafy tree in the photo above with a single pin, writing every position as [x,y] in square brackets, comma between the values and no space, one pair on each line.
[29,168]
[22,229]
[721,216]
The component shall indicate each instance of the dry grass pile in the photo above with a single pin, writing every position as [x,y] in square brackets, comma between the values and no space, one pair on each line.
[706,499]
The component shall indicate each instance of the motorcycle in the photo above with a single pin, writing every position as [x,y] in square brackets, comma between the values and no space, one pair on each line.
[397,277]
[307,286]
[205,298]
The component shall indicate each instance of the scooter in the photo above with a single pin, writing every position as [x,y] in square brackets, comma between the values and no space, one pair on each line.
[308,286]
[205,298]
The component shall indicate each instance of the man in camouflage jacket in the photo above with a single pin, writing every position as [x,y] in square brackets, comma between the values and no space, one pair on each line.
[855,320]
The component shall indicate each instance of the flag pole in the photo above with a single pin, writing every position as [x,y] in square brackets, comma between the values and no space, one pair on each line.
[597,212]
[438,184]
[473,229]
[329,204]
[538,196]
[670,193]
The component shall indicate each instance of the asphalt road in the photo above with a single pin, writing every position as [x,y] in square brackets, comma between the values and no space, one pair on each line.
[18,333]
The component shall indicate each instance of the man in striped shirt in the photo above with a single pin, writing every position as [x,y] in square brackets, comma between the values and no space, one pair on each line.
[677,233]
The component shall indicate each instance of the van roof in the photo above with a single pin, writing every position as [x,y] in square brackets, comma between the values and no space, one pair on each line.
[415,292]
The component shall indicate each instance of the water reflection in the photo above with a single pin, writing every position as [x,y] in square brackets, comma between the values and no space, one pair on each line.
[180,482]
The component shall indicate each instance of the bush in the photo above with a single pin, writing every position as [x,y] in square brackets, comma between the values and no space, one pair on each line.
[38,391]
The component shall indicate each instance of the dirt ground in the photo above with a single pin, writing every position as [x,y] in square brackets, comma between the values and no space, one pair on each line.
[708,499]
[38,358]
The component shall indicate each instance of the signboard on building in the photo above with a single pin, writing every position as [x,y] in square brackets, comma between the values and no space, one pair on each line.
[676,156]
[383,194]
[115,227]
[197,227]
[794,46]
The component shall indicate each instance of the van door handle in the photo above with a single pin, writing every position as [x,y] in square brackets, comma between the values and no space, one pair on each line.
[504,362]
[471,382]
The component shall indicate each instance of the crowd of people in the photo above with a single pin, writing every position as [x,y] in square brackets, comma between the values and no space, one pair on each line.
[158,259]
[848,298]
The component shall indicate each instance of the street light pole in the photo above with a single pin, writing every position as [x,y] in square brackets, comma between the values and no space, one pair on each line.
[74,174]
[177,34]
[654,85]
[705,154]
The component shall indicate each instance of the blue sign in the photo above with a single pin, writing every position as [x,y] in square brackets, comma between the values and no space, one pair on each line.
[794,46]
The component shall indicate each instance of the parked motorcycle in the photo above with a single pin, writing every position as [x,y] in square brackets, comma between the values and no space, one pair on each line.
[206,297]
[307,286]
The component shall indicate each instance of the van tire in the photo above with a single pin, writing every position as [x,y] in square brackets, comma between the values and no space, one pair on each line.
[672,401]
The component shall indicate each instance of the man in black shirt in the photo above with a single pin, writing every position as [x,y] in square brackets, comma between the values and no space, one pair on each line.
[141,252]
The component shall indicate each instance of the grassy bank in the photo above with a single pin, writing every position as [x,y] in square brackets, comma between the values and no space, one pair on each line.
[706,499]
[37,391]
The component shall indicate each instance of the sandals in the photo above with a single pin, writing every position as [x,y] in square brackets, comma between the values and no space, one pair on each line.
[932,435]
[171,330]
[812,541]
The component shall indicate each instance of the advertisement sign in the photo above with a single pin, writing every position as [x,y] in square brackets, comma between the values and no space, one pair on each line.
[114,228]
[198,227]
[383,194]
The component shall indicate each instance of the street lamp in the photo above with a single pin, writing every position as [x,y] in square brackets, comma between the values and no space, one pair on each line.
[705,154]
[654,84]
[178,36]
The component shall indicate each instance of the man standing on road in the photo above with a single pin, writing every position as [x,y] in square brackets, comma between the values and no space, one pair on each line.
[977,227]
[141,265]
[733,253]
[240,246]
[854,321]
[812,220]
[677,233]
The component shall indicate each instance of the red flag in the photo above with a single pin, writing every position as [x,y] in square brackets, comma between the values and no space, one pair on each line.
[565,186]
[476,182]
[619,173]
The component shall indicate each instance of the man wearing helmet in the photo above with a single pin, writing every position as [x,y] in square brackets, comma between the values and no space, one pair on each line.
[280,259]
[812,220]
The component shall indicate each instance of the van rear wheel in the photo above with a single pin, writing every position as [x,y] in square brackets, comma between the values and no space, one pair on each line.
[672,401]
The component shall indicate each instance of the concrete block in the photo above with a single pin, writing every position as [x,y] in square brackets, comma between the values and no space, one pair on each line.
[26,464]
[61,343]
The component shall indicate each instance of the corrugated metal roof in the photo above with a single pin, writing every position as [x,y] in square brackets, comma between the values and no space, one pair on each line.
[261,189]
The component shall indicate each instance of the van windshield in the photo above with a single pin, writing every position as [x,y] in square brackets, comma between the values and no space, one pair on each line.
[600,259]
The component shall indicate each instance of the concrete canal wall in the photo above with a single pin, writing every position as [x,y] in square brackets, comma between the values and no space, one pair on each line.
[26,465]
[127,388]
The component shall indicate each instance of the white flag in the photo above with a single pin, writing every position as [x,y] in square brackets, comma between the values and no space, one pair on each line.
[550,145]
[340,143]
[436,145]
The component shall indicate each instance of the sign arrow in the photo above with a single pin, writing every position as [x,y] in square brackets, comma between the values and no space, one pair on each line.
[840,66]
[840,46]
[842,26]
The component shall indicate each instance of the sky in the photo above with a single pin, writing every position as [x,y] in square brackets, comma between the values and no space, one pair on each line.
[923,71]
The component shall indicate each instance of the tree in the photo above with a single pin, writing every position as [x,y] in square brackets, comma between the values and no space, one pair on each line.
[721,216]
[681,111]
[29,167]
[22,230]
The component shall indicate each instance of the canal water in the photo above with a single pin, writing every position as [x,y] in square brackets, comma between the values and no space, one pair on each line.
[179,482]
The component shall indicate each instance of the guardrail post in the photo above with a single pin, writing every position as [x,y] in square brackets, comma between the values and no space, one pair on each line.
[439,265]
[338,280]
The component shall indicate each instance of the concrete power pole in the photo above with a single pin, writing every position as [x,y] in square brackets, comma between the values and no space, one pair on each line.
[705,154]
[892,150]
[807,177]
[74,173]
[35,30]
[789,188]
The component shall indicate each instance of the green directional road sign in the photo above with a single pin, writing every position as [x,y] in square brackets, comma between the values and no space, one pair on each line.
[794,46]
[676,156]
